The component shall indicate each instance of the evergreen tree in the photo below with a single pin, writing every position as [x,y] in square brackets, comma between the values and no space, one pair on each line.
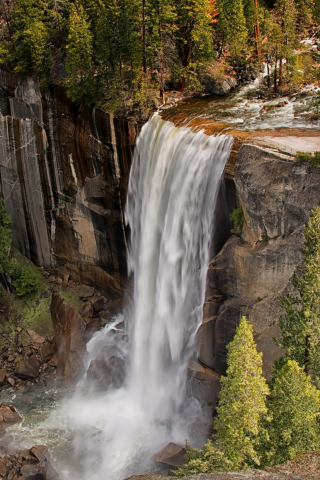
[242,406]
[80,80]
[241,400]
[286,13]
[29,50]
[304,9]
[300,324]
[294,410]
[232,26]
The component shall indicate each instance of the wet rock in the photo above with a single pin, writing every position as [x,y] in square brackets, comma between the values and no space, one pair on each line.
[107,369]
[172,455]
[218,86]
[28,369]
[11,381]
[9,415]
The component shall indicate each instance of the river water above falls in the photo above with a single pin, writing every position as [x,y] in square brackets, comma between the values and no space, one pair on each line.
[97,433]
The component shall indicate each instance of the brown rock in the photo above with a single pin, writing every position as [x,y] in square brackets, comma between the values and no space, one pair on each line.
[28,369]
[86,310]
[46,352]
[2,375]
[35,337]
[33,471]
[10,358]
[66,278]
[3,468]
[51,279]
[69,338]
[172,454]
[98,304]
[9,414]
[203,383]
[11,381]
[59,281]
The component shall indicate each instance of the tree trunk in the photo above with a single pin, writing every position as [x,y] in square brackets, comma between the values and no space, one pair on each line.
[268,71]
[257,32]
[275,76]
[280,72]
[6,17]
[144,45]
[161,57]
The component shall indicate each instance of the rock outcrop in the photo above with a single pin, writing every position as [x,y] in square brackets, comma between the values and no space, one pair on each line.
[63,173]
[250,273]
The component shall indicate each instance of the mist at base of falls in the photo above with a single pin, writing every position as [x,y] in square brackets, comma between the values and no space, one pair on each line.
[144,353]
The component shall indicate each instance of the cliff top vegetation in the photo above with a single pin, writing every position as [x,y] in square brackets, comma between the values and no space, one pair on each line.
[124,55]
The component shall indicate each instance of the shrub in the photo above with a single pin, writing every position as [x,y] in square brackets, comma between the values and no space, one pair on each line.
[237,218]
[26,283]
[313,159]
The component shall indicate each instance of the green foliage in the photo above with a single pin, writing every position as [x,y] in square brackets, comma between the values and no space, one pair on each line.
[80,81]
[242,400]
[313,159]
[7,265]
[293,427]
[237,218]
[300,323]
[26,284]
[242,406]
[232,25]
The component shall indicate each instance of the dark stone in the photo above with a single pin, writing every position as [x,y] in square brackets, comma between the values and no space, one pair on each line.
[107,369]
[28,369]
[46,352]
[203,383]
[98,304]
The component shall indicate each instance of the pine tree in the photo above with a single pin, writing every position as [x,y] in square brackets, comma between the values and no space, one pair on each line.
[232,26]
[300,324]
[287,15]
[29,50]
[294,410]
[241,400]
[80,80]
[304,9]
[242,407]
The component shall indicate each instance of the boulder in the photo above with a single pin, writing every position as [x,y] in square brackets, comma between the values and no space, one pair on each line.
[86,310]
[98,304]
[35,337]
[46,352]
[108,368]
[9,415]
[172,455]
[28,369]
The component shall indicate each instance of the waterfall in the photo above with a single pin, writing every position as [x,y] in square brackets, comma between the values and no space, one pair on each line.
[171,199]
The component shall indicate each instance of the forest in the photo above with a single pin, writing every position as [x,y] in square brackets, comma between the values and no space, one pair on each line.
[125,54]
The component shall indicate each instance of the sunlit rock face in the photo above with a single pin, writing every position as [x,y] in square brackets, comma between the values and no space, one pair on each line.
[250,273]
[64,173]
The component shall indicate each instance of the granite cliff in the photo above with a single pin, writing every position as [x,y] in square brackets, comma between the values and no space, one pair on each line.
[63,173]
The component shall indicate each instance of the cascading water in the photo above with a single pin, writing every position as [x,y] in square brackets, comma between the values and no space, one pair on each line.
[172,193]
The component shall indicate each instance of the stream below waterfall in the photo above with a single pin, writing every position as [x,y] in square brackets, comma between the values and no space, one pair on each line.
[98,434]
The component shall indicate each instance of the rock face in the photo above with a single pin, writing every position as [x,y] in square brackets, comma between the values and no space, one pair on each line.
[63,174]
[250,273]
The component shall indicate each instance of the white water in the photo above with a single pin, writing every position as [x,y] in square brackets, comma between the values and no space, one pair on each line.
[172,193]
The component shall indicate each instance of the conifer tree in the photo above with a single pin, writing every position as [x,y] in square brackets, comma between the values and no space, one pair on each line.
[241,400]
[304,9]
[80,81]
[232,26]
[294,411]
[300,324]
[241,409]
